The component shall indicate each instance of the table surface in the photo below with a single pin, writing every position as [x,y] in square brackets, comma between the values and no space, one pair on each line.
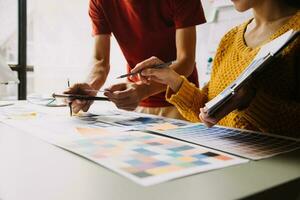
[33,169]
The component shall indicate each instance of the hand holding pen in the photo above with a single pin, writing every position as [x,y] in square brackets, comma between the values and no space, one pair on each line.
[153,63]
[80,96]
[162,74]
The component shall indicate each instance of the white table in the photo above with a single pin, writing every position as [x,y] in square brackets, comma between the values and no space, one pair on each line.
[31,169]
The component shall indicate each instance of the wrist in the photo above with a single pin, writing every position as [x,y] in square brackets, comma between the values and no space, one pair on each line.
[142,90]
[175,83]
[97,78]
[95,84]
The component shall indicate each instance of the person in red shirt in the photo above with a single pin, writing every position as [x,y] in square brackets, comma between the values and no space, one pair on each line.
[161,28]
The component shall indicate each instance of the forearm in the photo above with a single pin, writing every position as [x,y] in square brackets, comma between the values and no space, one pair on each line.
[98,74]
[184,66]
[186,48]
[100,63]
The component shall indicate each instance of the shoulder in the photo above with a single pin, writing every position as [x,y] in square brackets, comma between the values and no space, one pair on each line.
[295,21]
[294,47]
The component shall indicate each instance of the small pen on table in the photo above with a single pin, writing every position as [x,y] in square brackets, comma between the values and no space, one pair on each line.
[70,104]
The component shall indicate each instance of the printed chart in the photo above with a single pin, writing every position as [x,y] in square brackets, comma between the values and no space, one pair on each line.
[144,158]
[247,144]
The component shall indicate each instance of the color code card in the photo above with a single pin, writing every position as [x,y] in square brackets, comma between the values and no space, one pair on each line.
[247,144]
[123,120]
[144,158]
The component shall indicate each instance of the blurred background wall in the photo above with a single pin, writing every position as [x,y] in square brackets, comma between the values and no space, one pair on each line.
[60,43]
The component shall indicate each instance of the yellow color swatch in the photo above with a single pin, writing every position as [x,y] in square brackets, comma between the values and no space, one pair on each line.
[164,170]
[163,127]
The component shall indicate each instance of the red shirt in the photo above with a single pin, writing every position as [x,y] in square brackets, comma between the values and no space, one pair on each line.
[145,28]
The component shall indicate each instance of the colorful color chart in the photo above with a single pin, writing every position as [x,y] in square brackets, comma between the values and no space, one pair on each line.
[144,158]
[131,121]
[115,140]
[247,144]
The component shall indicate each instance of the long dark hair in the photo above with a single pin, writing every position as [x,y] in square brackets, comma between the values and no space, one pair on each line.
[293,3]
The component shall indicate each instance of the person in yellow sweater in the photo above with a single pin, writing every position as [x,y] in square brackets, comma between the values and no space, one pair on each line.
[270,102]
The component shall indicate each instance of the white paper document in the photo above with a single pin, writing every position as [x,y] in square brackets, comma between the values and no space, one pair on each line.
[144,158]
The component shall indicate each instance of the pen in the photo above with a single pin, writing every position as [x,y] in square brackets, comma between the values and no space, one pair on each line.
[87,90]
[80,97]
[70,104]
[163,65]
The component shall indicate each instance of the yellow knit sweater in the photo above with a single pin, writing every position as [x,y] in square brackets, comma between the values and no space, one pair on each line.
[276,106]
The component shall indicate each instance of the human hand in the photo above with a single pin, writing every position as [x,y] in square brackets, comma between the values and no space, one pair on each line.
[80,89]
[126,96]
[164,75]
[241,100]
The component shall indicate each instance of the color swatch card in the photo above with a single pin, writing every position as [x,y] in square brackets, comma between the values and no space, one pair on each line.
[144,158]
[123,120]
[109,139]
[247,144]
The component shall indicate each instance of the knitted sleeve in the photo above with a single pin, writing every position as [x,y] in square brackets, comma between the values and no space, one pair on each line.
[188,100]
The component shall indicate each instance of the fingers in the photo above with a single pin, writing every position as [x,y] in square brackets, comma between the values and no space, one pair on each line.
[209,125]
[87,106]
[144,79]
[240,100]
[151,72]
[119,95]
[80,88]
[157,75]
[78,105]
[128,103]
[117,87]
[146,63]
[126,99]
[206,119]
[147,75]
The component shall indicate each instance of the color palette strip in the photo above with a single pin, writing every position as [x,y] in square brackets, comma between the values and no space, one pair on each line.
[247,144]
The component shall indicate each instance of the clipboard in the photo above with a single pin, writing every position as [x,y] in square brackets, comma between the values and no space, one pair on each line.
[267,54]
